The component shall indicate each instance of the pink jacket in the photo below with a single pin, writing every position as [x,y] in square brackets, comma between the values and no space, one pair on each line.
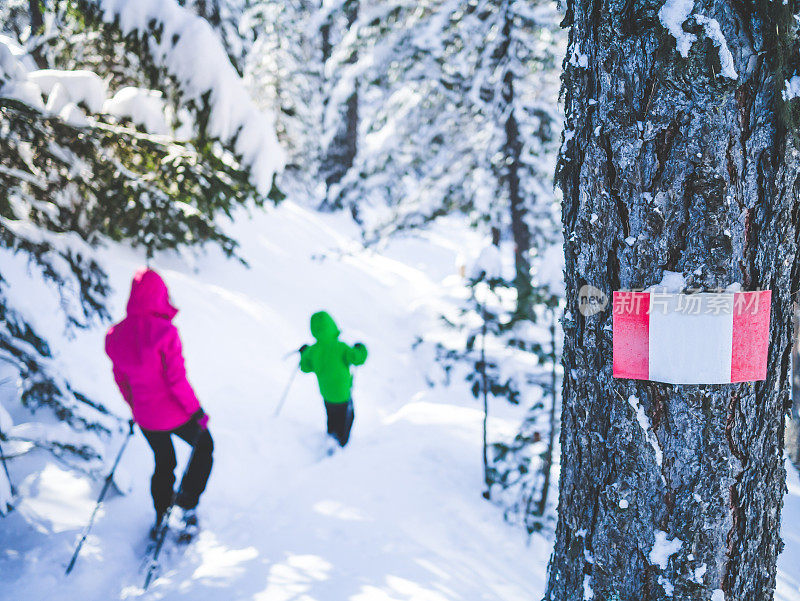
[145,349]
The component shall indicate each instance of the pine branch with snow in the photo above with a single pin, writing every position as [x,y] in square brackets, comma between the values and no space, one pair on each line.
[117,138]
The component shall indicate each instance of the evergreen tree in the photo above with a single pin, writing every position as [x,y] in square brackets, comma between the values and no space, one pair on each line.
[458,107]
[285,71]
[416,155]
[460,114]
[226,16]
[153,165]
[513,93]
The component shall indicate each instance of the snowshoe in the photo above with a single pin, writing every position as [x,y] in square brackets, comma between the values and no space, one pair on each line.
[190,527]
[331,446]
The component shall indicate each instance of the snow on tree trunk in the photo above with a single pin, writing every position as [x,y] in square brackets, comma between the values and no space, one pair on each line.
[676,158]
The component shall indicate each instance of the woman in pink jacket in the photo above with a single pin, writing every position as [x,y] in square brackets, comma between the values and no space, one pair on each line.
[145,349]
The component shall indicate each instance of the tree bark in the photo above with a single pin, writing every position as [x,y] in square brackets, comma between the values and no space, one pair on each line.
[698,173]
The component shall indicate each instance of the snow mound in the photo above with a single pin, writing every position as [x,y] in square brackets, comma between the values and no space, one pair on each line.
[671,281]
[143,107]
[82,86]
[24,91]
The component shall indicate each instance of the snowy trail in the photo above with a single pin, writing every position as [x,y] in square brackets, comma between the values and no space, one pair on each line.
[396,516]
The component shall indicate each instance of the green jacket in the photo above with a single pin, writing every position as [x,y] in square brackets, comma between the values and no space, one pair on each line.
[331,359]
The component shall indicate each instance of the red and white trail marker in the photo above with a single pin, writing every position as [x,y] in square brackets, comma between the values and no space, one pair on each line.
[704,338]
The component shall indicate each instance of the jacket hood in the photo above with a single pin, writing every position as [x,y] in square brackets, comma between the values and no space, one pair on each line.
[149,295]
[323,327]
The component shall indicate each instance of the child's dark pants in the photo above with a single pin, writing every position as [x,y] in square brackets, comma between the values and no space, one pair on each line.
[163,481]
[340,420]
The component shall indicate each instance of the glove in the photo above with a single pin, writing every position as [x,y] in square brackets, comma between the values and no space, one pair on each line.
[201,418]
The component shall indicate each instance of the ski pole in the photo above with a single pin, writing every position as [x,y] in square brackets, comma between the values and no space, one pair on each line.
[3,382]
[289,354]
[164,526]
[286,391]
[10,506]
[103,492]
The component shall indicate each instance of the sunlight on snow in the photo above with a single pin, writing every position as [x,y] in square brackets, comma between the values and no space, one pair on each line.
[339,511]
[63,496]
[398,589]
[218,561]
[427,413]
[291,579]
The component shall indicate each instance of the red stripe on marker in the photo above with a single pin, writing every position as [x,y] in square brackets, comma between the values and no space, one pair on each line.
[631,335]
[751,312]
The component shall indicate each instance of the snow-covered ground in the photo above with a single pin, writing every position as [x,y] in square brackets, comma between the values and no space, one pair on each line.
[398,515]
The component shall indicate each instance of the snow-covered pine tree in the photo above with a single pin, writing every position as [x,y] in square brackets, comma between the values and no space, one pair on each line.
[512,94]
[458,106]
[285,73]
[502,358]
[681,139]
[522,468]
[226,16]
[413,157]
[152,164]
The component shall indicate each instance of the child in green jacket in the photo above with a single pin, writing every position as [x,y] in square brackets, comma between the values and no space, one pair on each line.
[330,359]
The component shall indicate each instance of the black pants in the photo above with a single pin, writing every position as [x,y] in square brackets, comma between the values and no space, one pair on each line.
[194,482]
[340,420]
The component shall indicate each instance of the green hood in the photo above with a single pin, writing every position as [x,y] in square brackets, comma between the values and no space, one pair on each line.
[323,328]
[330,359]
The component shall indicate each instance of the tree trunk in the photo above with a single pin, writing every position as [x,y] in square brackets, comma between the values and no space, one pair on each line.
[547,459]
[673,167]
[341,151]
[37,20]
[512,151]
